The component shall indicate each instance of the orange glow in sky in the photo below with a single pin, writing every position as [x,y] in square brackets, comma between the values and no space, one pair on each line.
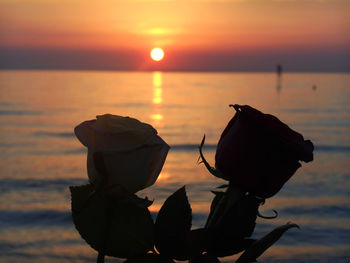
[176,24]
[191,27]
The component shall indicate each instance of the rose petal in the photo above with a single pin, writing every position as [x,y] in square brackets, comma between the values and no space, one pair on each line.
[135,169]
[275,179]
[157,160]
[229,125]
[84,132]
[133,153]
[307,155]
[259,153]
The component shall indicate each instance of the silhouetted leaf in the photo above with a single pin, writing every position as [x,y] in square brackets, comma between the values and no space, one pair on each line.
[173,225]
[222,186]
[223,246]
[142,202]
[149,258]
[262,244]
[239,220]
[197,240]
[217,192]
[223,204]
[130,231]
[218,196]
[206,258]
[229,235]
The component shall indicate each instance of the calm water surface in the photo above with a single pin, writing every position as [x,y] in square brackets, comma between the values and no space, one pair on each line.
[40,156]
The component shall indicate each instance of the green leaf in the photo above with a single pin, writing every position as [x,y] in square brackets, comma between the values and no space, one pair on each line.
[262,244]
[120,229]
[173,225]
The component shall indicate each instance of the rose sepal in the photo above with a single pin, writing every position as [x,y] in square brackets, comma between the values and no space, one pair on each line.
[229,197]
[214,171]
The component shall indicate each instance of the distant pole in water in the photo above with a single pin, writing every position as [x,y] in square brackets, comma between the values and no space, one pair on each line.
[279,77]
[279,69]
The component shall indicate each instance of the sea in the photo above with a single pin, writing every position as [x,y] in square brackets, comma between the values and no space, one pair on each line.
[40,157]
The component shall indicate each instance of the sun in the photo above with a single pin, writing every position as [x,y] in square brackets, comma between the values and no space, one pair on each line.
[157,54]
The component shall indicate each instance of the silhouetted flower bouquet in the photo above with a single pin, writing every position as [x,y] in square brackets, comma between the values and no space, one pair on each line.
[256,154]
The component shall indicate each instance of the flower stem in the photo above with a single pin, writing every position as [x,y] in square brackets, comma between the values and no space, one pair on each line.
[108,212]
[101,257]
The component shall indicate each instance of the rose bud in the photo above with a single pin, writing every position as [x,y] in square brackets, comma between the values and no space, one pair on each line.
[132,152]
[258,153]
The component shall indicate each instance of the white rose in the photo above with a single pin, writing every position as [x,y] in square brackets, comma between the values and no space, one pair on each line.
[133,153]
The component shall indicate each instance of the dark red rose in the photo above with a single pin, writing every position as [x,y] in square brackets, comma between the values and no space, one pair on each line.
[259,153]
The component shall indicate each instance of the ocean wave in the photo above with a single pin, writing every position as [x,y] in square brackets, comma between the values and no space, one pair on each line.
[54,134]
[310,110]
[191,147]
[130,105]
[9,184]
[315,189]
[307,234]
[330,149]
[22,256]
[174,147]
[23,218]
[8,246]
[342,211]
[323,254]
[336,254]
[17,218]
[212,147]
[18,112]
[31,218]
[318,148]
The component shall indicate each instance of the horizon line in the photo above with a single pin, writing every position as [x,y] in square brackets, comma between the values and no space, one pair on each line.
[170,70]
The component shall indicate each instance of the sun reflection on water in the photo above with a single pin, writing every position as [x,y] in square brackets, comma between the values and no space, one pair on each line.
[157,87]
[157,100]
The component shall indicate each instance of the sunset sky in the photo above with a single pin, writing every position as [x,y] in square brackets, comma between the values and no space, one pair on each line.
[212,35]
